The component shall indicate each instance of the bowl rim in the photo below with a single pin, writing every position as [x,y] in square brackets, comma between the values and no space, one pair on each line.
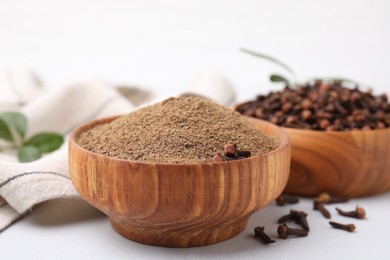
[284,141]
[362,131]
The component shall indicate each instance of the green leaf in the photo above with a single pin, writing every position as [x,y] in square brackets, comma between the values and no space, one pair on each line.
[28,153]
[16,120]
[5,133]
[46,142]
[271,59]
[278,78]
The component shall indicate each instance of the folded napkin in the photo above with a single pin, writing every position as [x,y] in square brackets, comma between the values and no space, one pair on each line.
[23,185]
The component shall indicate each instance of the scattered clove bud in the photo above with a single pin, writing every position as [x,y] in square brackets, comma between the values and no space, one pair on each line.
[318,205]
[358,213]
[284,231]
[284,199]
[326,198]
[243,154]
[261,235]
[232,153]
[346,227]
[302,220]
[230,150]
[298,216]
[288,217]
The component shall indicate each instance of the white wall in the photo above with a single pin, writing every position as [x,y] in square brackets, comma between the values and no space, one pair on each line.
[163,44]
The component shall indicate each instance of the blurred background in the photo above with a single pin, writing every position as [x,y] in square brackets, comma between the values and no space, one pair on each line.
[163,45]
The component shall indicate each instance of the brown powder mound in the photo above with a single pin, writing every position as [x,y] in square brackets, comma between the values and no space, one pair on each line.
[177,130]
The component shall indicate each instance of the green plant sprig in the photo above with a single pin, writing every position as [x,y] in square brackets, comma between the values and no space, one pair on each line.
[13,127]
[276,78]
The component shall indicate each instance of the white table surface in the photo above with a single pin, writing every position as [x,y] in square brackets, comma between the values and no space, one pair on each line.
[163,45]
[69,229]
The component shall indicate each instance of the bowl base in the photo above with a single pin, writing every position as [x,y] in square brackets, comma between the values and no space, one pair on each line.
[179,237]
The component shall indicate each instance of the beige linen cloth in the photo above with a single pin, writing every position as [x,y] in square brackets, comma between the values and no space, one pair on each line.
[23,185]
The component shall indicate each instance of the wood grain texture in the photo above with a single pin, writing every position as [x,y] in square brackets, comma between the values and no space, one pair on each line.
[179,205]
[346,164]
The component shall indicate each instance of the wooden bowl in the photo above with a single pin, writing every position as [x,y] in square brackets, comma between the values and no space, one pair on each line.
[345,164]
[179,205]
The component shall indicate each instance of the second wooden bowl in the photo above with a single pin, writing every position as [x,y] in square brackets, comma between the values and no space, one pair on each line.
[179,205]
[345,164]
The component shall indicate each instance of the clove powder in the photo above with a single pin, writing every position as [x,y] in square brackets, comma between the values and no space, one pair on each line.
[177,130]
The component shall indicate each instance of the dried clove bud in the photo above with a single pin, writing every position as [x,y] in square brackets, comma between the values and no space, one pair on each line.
[318,205]
[326,198]
[261,235]
[284,231]
[306,115]
[242,154]
[231,153]
[298,216]
[284,199]
[358,213]
[302,221]
[346,227]
[230,150]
